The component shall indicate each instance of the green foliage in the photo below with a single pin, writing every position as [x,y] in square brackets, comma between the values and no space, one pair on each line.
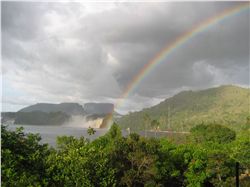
[210,166]
[65,143]
[241,149]
[115,160]
[154,124]
[114,132]
[91,131]
[88,163]
[172,163]
[212,133]
[134,157]
[225,105]
[23,159]
[247,124]
[80,164]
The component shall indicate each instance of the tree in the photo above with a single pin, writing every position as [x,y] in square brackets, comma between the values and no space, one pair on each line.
[240,149]
[146,119]
[212,133]
[116,160]
[172,163]
[91,131]
[23,161]
[134,160]
[79,162]
[246,126]
[114,132]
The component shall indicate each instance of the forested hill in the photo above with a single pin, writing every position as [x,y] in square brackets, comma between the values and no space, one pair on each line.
[225,105]
[68,108]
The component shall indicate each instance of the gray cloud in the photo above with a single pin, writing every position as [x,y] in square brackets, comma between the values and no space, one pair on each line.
[79,52]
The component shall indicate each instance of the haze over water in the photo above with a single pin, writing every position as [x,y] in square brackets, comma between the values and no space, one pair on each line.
[49,133]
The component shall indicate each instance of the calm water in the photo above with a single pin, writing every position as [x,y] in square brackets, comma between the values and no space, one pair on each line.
[49,133]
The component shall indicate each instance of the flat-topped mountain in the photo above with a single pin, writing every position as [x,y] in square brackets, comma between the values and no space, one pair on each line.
[68,108]
[226,105]
[58,114]
[98,108]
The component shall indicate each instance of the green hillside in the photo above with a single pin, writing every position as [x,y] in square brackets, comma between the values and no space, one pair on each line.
[225,105]
[41,118]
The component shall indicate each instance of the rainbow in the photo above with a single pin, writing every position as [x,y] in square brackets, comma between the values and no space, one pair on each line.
[176,44]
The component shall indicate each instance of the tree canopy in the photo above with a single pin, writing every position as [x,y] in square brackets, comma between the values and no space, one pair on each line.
[115,160]
[212,133]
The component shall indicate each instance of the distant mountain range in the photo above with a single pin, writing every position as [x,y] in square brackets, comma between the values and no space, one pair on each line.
[57,114]
[226,105]
[72,108]
[68,108]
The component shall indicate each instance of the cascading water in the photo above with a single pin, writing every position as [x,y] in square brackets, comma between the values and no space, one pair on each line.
[81,121]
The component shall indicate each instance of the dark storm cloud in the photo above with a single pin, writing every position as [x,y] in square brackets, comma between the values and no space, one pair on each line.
[82,52]
[137,42]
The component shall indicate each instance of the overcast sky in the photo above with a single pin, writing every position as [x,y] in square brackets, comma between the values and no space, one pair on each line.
[89,52]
